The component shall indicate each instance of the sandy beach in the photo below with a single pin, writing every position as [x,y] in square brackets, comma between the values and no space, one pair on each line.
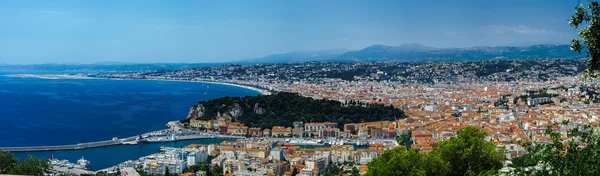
[59,76]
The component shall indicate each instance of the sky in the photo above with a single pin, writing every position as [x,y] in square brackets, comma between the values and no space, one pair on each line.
[197,31]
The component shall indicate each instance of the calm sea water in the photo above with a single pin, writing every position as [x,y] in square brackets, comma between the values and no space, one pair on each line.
[105,157]
[36,112]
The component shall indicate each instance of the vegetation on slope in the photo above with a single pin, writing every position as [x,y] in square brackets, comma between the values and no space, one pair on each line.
[282,109]
[468,153]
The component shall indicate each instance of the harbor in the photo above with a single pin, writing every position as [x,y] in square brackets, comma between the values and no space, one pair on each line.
[166,135]
[65,166]
[118,153]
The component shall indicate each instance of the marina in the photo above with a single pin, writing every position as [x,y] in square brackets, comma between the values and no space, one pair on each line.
[118,153]
[64,166]
[167,135]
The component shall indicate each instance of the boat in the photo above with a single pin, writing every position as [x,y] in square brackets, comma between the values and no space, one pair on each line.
[161,139]
[306,142]
[83,163]
[51,159]
[364,143]
[130,143]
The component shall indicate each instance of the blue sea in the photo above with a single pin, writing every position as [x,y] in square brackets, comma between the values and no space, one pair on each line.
[38,112]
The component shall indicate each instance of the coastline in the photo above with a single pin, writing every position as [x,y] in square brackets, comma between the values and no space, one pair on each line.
[261,91]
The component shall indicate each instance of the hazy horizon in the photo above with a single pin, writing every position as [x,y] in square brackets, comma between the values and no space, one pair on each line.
[39,32]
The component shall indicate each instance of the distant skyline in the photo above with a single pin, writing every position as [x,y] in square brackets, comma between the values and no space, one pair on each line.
[152,31]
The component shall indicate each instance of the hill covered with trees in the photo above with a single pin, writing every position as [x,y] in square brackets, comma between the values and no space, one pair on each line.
[282,109]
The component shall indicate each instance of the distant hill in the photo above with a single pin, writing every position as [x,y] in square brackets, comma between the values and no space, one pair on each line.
[298,56]
[103,67]
[416,52]
[421,53]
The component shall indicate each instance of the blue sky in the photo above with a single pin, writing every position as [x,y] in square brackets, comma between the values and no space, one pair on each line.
[81,31]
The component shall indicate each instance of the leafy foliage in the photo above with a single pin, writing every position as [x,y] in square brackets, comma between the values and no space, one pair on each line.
[7,162]
[589,41]
[578,156]
[404,140]
[195,168]
[355,172]
[282,109]
[30,166]
[469,153]
[399,161]
[466,154]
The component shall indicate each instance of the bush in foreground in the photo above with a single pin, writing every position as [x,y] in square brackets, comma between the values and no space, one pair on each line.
[468,153]
[30,166]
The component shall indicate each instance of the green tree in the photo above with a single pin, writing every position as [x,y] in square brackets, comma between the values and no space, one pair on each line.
[404,140]
[436,165]
[355,172]
[469,153]
[578,156]
[142,172]
[7,162]
[334,169]
[30,166]
[216,171]
[589,41]
[399,161]
[201,166]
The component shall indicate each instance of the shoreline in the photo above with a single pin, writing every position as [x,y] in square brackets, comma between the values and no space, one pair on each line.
[261,91]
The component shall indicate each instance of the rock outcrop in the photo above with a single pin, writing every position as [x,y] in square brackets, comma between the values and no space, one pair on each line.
[234,112]
[196,111]
[258,110]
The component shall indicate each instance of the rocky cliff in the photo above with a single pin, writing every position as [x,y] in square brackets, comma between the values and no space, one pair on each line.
[196,111]
[282,109]
[231,112]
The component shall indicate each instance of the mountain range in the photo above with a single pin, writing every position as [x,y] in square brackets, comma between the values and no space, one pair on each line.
[299,56]
[373,53]
[420,53]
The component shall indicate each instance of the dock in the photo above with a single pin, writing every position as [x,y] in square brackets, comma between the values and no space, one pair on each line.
[64,147]
[124,141]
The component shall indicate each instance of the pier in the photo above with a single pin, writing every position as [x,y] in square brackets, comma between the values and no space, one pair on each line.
[125,141]
[64,147]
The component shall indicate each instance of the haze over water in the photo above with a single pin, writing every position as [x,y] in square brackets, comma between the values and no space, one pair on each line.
[37,112]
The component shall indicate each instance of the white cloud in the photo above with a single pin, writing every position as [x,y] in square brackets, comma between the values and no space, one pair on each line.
[521,30]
